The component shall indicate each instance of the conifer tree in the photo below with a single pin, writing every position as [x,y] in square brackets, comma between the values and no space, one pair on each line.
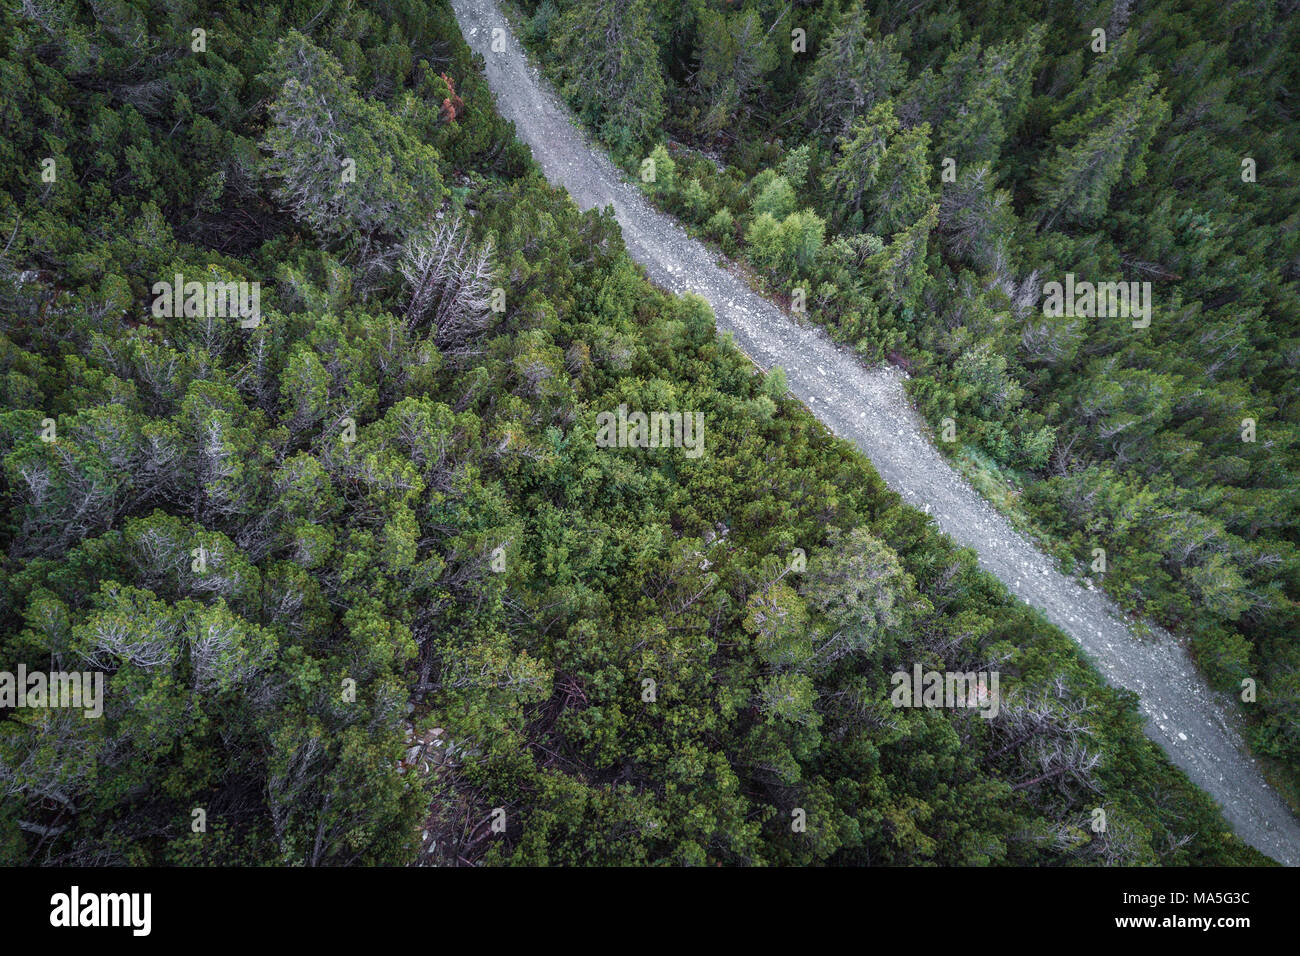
[1110,143]
[900,267]
[902,191]
[854,71]
[735,53]
[609,64]
[859,153]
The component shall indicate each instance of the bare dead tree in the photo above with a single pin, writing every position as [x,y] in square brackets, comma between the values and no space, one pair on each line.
[451,285]
[1051,740]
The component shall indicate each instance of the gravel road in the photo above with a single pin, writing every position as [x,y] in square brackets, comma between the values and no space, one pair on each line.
[869,407]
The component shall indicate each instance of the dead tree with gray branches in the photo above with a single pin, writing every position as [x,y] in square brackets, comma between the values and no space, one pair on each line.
[451,286]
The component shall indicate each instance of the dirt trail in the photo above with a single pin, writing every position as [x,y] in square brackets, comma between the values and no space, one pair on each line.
[869,407]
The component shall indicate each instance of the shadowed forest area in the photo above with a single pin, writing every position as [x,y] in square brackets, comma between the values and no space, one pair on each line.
[363,584]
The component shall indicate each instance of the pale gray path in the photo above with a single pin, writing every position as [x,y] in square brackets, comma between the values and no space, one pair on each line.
[869,407]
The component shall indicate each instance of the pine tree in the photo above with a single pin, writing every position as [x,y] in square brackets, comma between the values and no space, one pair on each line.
[852,73]
[899,268]
[975,219]
[901,192]
[734,55]
[1114,138]
[858,157]
[609,63]
[860,588]
[343,165]
[982,97]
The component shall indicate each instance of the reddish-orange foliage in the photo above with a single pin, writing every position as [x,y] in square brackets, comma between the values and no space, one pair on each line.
[453,106]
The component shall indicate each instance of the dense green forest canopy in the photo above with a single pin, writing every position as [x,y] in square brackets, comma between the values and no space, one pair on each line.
[919,174]
[362,584]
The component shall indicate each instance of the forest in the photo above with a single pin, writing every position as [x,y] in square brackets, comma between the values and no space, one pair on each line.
[363,584]
[922,179]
